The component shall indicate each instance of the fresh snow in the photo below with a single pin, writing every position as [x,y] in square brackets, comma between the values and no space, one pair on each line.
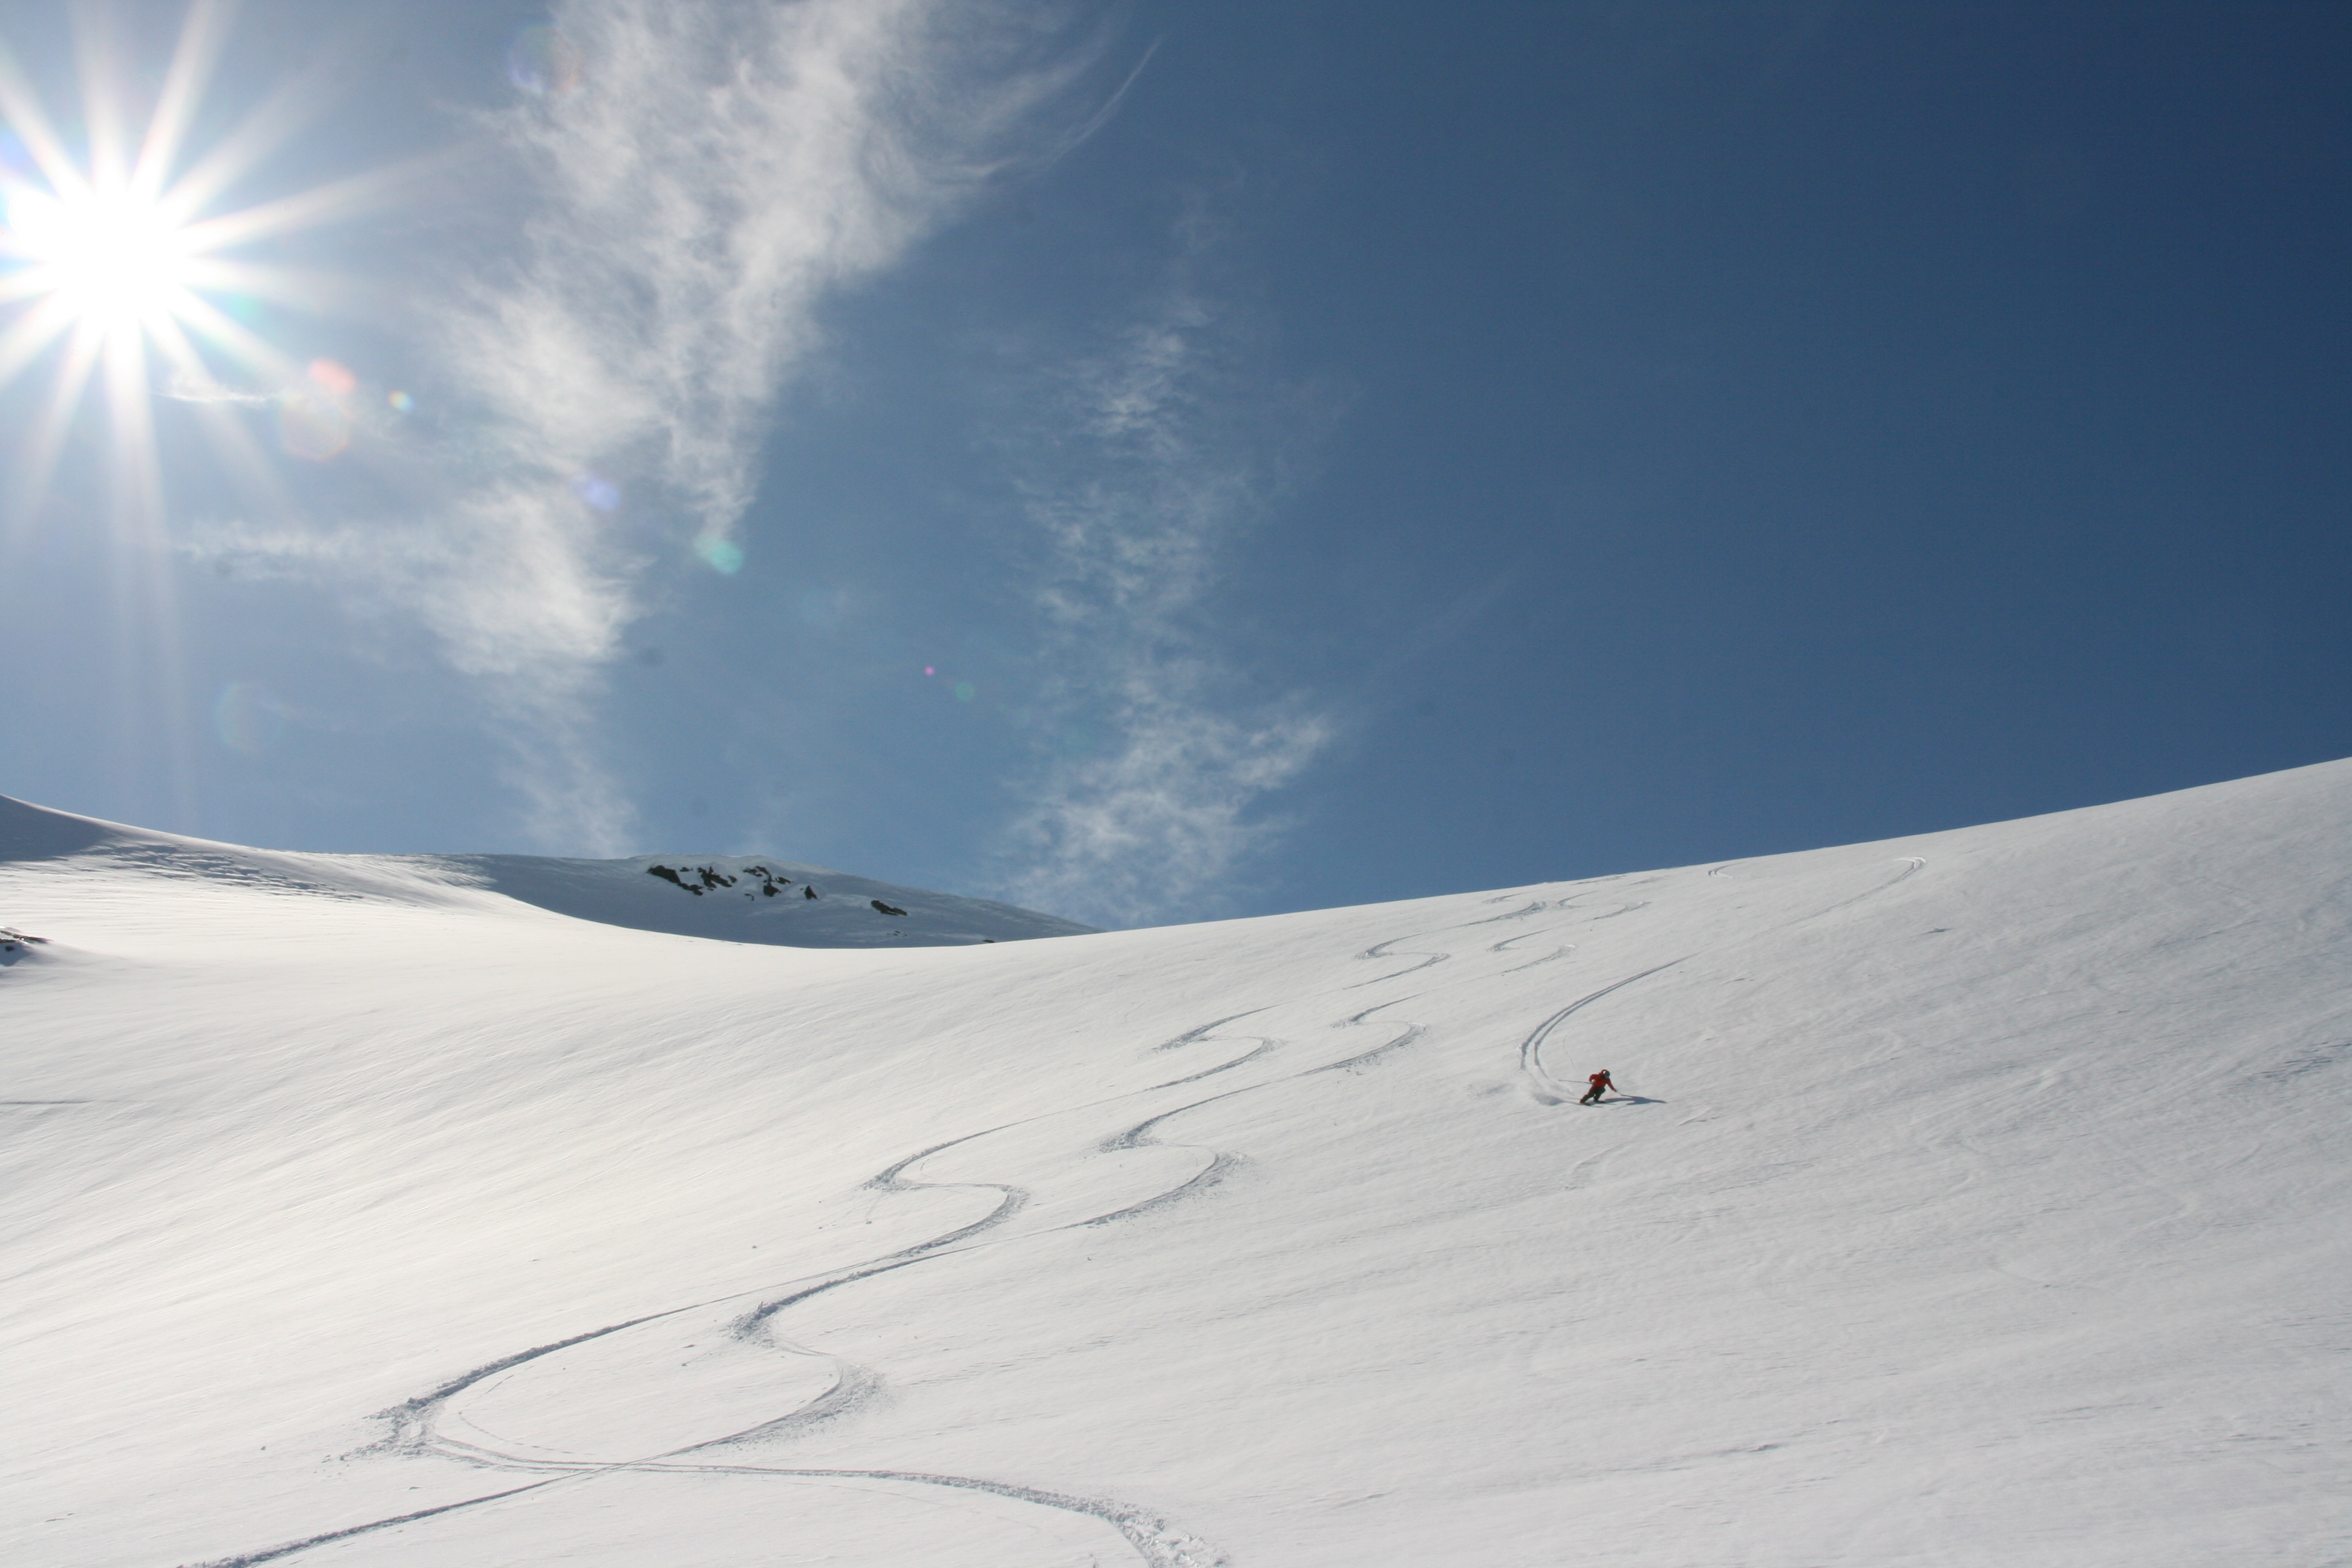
[1976,1198]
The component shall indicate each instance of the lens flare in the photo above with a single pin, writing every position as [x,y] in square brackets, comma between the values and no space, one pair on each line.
[605,496]
[722,556]
[335,380]
[247,718]
[543,62]
[314,417]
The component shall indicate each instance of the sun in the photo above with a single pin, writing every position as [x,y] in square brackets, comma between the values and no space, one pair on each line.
[115,266]
[113,259]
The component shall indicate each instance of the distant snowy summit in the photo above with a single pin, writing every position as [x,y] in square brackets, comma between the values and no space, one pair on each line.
[730,897]
[755,897]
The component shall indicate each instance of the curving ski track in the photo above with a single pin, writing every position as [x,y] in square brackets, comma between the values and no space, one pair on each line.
[1547,1089]
[1363,1059]
[1154,1541]
[1380,950]
[1510,941]
[1914,864]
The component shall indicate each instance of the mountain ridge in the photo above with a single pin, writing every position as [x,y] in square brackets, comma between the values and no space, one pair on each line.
[846,910]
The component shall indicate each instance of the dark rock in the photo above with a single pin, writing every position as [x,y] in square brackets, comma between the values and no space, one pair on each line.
[668,875]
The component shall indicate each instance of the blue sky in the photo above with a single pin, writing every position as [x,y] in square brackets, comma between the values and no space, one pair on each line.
[1173,460]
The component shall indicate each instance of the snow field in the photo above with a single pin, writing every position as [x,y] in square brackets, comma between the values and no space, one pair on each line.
[1977,1198]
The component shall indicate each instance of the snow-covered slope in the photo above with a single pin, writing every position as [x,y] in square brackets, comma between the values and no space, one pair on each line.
[738,897]
[733,898]
[1979,1198]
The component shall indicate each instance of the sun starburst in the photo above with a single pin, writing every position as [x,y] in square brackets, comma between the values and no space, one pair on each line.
[109,259]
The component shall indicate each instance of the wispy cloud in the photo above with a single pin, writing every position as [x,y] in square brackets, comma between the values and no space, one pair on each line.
[502,581]
[705,177]
[717,170]
[722,168]
[186,388]
[1155,456]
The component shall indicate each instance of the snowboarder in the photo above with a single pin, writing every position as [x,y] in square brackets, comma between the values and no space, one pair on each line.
[1600,1086]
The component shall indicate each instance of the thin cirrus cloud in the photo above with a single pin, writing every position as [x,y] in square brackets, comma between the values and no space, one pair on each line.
[718,171]
[701,177]
[718,168]
[1164,450]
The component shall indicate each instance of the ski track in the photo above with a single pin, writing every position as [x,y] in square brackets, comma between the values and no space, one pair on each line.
[1380,950]
[1267,1043]
[1155,1541]
[1535,907]
[1913,866]
[1194,1035]
[288,1549]
[1550,1091]
[1364,1059]
[1507,942]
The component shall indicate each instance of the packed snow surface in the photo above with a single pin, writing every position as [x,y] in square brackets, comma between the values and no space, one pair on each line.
[1978,1198]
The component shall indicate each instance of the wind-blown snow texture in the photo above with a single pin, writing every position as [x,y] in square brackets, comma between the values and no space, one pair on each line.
[1978,1198]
